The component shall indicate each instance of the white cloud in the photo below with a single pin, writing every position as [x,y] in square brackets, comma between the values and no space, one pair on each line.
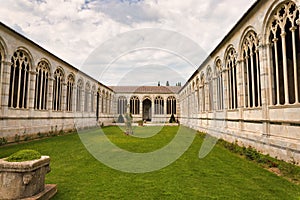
[72,29]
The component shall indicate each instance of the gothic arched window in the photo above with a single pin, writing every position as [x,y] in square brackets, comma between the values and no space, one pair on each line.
[79,94]
[134,105]
[93,91]
[70,85]
[57,89]
[122,105]
[251,75]
[210,89]
[41,85]
[171,105]
[159,106]
[202,93]
[284,37]
[19,80]
[230,63]
[87,97]
[219,79]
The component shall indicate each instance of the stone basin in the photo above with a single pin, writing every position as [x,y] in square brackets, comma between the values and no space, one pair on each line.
[25,180]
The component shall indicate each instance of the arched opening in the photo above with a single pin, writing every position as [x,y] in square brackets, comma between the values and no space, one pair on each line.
[147,115]
[97,106]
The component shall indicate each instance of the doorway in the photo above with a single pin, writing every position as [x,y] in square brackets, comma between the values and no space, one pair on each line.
[147,110]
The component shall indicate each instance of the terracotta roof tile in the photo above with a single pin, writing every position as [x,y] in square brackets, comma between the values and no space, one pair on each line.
[146,89]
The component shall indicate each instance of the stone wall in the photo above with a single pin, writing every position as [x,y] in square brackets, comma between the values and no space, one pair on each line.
[45,99]
[236,93]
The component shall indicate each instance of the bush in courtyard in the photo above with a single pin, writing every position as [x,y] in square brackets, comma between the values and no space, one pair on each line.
[3,141]
[24,155]
[120,119]
[17,138]
[172,119]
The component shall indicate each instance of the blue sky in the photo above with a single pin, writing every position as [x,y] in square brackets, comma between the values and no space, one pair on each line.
[76,29]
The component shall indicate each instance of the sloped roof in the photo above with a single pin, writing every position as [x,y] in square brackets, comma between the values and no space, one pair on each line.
[146,89]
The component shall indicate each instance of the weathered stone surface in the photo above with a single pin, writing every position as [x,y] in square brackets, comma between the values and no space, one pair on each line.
[23,179]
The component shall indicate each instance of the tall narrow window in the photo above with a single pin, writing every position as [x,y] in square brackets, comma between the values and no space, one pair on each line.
[202,91]
[102,101]
[159,106]
[1,78]
[230,63]
[19,80]
[197,95]
[285,55]
[70,85]
[134,105]
[122,105]
[210,89]
[87,97]
[41,85]
[219,79]
[97,105]
[93,99]
[106,102]
[171,105]
[251,74]
[79,94]
[57,89]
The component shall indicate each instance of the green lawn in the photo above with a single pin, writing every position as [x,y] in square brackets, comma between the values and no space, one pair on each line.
[220,175]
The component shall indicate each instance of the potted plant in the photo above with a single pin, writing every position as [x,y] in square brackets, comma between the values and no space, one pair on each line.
[23,176]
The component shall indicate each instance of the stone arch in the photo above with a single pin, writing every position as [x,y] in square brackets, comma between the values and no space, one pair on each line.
[267,18]
[219,84]
[283,37]
[28,53]
[147,97]
[70,87]
[122,105]
[62,71]
[248,30]
[3,49]
[171,105]
[135,105]
[250,68]
[21,65]
[79,89]
[159,105]
[58,80]
[43,73]
[210,95]
[230,62]
[202,92]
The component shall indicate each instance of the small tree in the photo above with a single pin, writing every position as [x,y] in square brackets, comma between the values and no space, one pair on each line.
[167,83]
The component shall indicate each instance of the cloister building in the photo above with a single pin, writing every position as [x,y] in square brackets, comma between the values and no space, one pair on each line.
[247,90]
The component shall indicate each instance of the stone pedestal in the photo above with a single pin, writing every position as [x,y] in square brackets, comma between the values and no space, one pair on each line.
[25,180]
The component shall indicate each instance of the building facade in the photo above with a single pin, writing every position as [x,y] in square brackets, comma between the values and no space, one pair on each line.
[148,103]
[247,90]
[41,93]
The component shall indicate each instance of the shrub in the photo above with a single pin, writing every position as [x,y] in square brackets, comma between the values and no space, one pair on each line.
[40,135]
[120,119]
[172,119]
[24,155]
[140,122]
[3,141]
[17,138]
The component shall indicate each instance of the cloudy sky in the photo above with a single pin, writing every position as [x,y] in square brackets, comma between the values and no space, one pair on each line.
[127,42]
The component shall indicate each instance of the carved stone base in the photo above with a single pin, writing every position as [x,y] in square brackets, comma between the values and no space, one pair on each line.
[48,193]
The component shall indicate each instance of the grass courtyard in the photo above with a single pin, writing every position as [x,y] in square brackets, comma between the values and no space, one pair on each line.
[220,175]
